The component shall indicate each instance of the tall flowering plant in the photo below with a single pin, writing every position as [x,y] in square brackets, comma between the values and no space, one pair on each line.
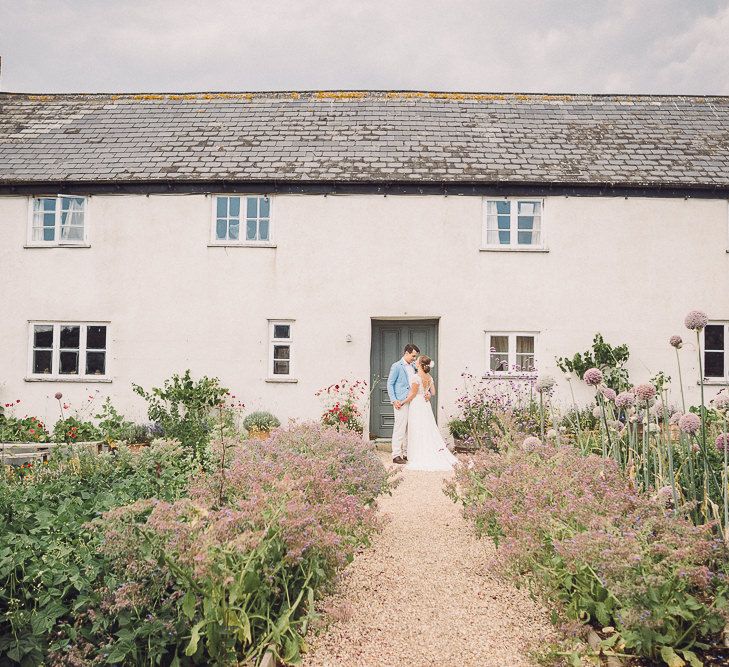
[343,405]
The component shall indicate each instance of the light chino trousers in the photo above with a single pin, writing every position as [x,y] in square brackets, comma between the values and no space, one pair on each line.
[400,432]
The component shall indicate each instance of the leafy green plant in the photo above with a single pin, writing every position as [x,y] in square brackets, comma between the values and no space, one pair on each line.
[72,429]
[458,428]
[261,421]
[112,425]
[184,408]
[609,359]
[27,429]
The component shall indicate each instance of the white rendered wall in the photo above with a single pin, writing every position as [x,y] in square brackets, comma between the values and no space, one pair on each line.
[629,268]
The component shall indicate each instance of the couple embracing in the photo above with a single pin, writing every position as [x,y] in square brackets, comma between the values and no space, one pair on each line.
[416,440]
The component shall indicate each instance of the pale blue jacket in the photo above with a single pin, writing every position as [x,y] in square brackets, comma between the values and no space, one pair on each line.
[398,384]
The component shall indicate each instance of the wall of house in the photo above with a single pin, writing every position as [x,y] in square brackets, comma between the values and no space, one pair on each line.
[629,268]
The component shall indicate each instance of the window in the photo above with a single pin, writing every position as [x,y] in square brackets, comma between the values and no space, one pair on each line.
[242,219]
[513,223]
[511,353]
[58,221]
[281,342]
[61,350]
[716,362]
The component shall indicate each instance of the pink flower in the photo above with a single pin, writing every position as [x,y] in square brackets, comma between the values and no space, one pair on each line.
[722,441]
[608,394]
[696,320]
[592,376]
[676,341]
[530,443]
[625,399]
[59,395]
[689,423]
[645,392]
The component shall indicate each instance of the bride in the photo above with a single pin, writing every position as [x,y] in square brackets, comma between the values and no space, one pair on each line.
[426,448]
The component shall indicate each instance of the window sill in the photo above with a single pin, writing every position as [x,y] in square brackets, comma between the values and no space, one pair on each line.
[282,380]
[63,378]
[714,382]
[57,245]
[511,249]
[241,245]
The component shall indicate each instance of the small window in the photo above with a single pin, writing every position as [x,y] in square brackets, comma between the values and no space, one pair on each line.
[511,353]
[716,363]
[242,219]
[61,350]
[513,223]
[59,220]
[281,342]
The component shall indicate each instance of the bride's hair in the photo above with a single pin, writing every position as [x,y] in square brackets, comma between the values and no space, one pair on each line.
[425,362]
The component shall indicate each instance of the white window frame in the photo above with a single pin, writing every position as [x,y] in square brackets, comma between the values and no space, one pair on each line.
[57,241]
[716,379]
[511,372]
[513,245]
[54,375]
[273,342]
[242,241]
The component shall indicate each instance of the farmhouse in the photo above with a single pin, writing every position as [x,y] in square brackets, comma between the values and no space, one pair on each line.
[282,241]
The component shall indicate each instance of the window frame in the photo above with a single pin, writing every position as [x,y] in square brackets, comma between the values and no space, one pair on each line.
[512,336]
[242,241]
[715,379]
[55,375]
[273,342]
[513,245]
[57,241]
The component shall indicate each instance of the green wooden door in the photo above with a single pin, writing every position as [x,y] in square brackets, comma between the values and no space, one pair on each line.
[388,340]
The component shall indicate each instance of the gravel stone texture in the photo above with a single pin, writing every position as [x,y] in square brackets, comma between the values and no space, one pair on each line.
[424,594]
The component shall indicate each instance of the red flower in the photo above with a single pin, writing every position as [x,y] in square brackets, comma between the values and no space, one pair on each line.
[17,401]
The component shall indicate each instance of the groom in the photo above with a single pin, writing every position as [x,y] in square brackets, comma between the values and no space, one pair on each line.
[398,388]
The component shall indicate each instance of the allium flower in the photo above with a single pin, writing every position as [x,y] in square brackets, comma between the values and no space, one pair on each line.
[625,399]
[593,376]
[689,423]
[721,400]
[673,419]
[645,392]
[596,412]
[545,383]
[59,395]
[676,341]
[696,320]
[530,443]
[551,433]
[608,394]
[722,441]
[653,428]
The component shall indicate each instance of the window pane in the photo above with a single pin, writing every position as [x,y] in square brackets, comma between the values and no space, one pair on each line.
[221,207]
[714,337]
[251,228]
[49,233]
[504,223]
[280,367]
[252,207]
[263,230]
[714,364]
[69,363]
[504,238]
[96,338]
[70,336]
[72,233]
[524,344]
[233,229]
[281,352]
[500,344]
[503,207]
[499,362]
[42,361]
[492,237]
[95,363]
[43,335]
[234,207]
[221,228]
[524,362]
[264,205]
[499,355]
[524,238]
[282,331]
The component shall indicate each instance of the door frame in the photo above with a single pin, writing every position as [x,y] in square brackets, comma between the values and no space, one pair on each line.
[432,320]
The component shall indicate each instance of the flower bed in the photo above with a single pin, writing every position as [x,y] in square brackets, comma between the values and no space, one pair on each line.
[215,567]
[598,550]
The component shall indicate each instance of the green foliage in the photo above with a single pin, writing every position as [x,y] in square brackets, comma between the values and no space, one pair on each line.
[261,421]
[458,428]
[184,408]
[112,425]
[27,429]
[609,359]
[71,430]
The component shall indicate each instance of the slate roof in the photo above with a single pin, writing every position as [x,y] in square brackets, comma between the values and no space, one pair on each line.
[365,137]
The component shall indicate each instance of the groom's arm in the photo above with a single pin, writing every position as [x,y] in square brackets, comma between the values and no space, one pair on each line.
[391,382]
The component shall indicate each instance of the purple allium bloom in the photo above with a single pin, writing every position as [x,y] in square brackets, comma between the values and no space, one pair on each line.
[673,419]
[625,399]
[59,395]
[721,400]
[689,423]
[676,341]
[722,441]
[592,376]
[596,412]
[530,443]
[696,320]
[545,383]
[608,394]
[645,392]
[552,433]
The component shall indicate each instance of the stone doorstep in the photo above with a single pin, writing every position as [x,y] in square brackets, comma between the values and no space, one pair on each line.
[383,445]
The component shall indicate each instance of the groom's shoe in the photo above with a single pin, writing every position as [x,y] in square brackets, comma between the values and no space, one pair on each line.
[398,459]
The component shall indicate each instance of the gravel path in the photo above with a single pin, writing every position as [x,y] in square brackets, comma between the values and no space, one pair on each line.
[423,594]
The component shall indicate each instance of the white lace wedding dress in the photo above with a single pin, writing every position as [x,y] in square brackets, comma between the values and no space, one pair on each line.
[426,448]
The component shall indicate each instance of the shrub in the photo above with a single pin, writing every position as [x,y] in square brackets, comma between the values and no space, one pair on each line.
[184,408]
[112,425]
[587,540]
[27,429]
[72,429]
[342,409]
[261,421]
[609,359]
